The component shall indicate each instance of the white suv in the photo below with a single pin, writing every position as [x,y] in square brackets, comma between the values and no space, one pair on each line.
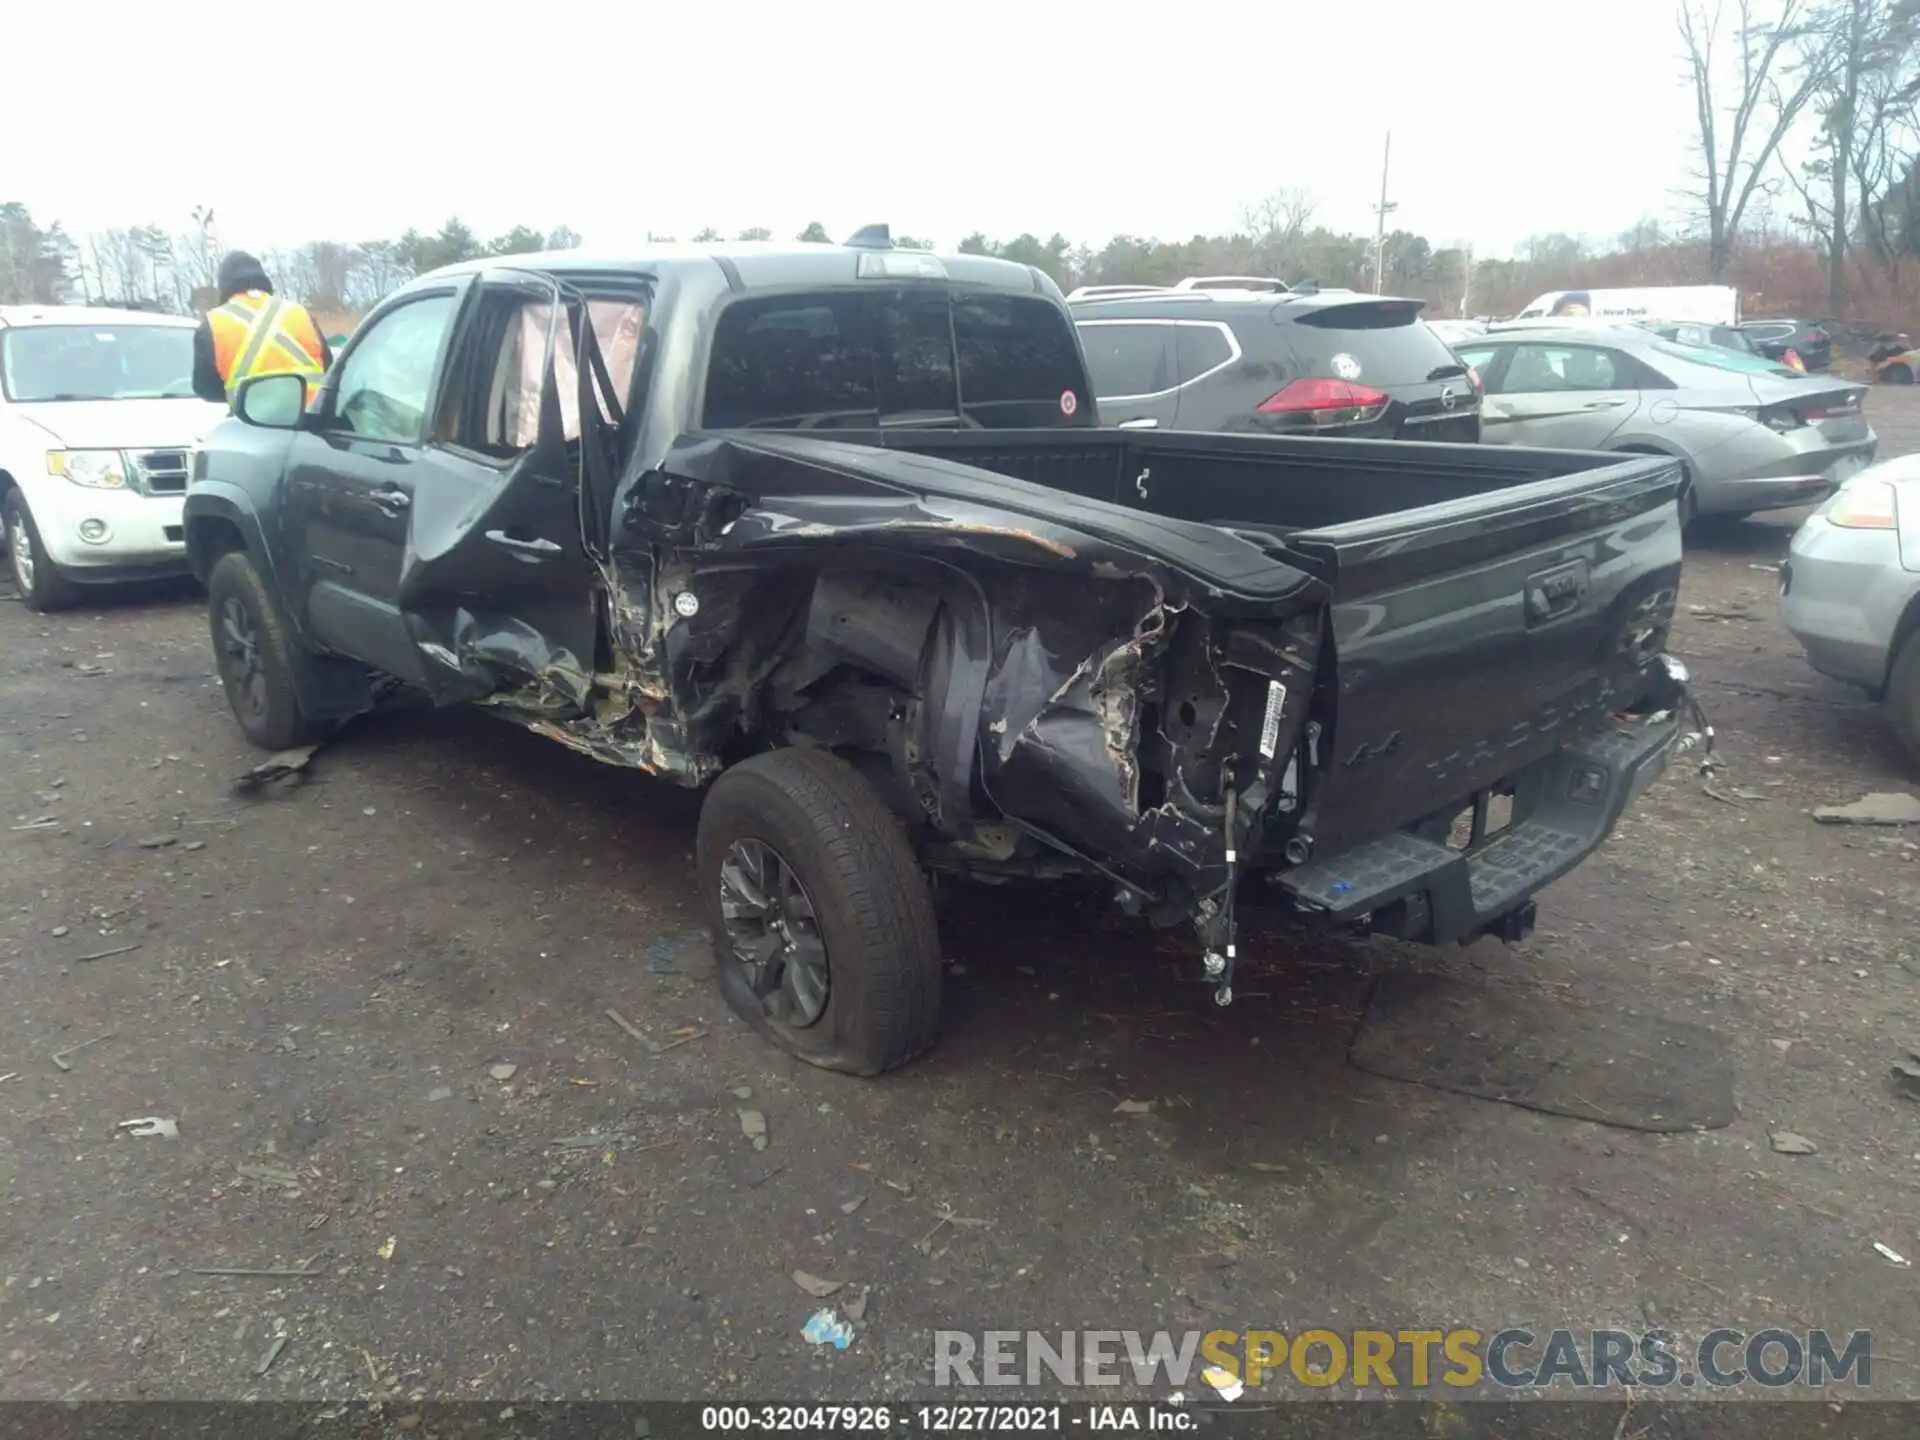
[98,421]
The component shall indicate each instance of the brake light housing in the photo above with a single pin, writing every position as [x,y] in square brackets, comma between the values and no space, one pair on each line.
[1323,401]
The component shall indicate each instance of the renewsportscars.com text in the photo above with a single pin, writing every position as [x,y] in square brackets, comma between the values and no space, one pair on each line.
[1516,1358]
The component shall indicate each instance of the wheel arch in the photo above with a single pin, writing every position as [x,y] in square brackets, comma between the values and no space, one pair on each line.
[1903,629]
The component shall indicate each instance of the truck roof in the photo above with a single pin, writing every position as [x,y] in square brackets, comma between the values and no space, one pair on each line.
[756,265]
[21,316]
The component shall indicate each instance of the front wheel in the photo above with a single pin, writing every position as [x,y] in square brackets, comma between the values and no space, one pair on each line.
[822,924]
[1903,695]
[255,656]
[43,587]
[1897,375]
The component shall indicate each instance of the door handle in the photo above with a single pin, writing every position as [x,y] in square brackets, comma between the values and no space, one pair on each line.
[1603,404]
[525,547]
[1144,423]
[391,498]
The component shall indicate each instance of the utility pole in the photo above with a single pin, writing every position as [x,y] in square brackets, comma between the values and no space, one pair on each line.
[1380,224]
[1466,281]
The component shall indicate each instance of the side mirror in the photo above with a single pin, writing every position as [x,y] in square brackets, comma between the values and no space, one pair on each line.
[273,402]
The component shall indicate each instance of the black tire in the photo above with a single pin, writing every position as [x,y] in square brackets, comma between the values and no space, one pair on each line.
[1897,375]
[870,905]
[45,588]
[255,656]
[1902,700]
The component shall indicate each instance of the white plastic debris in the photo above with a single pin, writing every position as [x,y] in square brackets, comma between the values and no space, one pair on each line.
[1227,1385]
[1891,1254]
[152,1125]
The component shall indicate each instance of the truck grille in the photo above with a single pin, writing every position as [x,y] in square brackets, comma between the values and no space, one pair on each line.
[162,472]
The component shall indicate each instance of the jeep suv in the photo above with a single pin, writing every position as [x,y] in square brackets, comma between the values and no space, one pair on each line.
[1307,362]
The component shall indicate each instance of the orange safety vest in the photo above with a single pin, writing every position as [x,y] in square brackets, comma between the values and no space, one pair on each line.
[261,334]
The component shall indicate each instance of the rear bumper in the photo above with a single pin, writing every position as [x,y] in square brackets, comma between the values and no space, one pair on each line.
[1564,806]
[1797,479]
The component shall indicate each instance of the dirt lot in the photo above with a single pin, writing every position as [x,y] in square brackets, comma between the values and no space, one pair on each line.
[325,979]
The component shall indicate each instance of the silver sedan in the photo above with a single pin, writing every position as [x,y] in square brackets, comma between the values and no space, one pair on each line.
[1850,590]
[1755,435]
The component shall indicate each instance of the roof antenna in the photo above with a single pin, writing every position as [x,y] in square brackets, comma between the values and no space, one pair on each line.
[871,237]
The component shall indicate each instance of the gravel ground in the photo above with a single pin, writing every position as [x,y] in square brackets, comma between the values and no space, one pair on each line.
[331,982]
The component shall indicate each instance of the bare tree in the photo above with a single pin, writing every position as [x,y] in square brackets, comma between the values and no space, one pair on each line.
[1748,92]
[1276,222]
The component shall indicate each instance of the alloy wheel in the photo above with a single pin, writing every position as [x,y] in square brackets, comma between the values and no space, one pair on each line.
[240,657]
[774,934]
[21,548]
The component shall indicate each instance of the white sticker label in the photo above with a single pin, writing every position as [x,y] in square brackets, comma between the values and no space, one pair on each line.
[687,603]
[1270,726]
[1069,402]
[1345,366]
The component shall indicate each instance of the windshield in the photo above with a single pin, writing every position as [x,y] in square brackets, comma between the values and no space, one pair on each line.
[849,359]
[97,362]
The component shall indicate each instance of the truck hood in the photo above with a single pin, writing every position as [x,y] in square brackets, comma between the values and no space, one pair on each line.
[123,424]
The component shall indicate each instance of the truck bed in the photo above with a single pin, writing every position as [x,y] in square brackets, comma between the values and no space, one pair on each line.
[1490,603]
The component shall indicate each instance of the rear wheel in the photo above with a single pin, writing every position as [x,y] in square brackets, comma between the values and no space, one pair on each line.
[1903,695]
[42,585]
[255,656]
[1897,375]
[822,924]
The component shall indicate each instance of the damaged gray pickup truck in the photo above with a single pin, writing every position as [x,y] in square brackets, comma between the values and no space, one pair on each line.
[833,530]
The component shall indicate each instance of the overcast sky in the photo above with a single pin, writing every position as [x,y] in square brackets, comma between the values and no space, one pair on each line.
[1509,117]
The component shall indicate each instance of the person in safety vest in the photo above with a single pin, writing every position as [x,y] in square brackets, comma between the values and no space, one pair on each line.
[251,332]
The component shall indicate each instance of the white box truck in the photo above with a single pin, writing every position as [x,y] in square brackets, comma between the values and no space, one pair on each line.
[1701,304]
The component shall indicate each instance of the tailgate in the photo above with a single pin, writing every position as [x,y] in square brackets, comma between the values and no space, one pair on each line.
[1477,635]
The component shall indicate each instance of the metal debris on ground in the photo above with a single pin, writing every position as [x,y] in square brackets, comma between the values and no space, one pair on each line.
[653,1047]
[10,1075]
[1889,1253]
[503,1072]
[303,1271]
[816,1287]
[107,954]
[1786,1142]
[45,822]
[59,1057]
[275,767]
[1887,807]
[273,1354]
[753,1125]
[823,1327]
[165,1128]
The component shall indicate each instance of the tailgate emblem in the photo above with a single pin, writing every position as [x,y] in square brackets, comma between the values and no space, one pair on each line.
[1449,397]
[1556,592]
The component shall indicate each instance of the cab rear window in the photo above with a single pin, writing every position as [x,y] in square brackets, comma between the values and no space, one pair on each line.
[846,359]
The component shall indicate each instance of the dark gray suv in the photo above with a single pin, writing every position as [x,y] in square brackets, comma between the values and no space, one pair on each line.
[1309,362]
